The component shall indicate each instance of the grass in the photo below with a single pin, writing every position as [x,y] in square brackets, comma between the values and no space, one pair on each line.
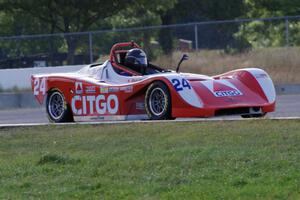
[283,64]
[257,159]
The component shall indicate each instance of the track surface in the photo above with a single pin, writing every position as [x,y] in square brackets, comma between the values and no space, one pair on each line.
[287,106]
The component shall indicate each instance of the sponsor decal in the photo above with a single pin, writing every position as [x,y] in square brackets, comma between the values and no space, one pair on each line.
[104,90]
[222,88]
[230,100]
[78,88]
[90,104]
[227,93]
[261,76]
[134,80]
[140,106]
[90,89]
[113,89]
[126,89]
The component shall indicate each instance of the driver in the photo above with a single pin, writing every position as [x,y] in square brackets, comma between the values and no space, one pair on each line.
[136,60]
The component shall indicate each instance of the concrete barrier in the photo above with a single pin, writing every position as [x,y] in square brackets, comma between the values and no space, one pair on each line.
[20,78]
[27,100]
[18,100]
[288,89]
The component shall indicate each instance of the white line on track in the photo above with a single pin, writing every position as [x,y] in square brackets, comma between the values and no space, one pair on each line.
[144,121]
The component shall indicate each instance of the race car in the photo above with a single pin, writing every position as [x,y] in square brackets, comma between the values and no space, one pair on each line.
[128,87]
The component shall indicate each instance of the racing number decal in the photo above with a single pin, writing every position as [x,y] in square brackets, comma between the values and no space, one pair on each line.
[176,84]
[186,92]
[39,85]
[179,86]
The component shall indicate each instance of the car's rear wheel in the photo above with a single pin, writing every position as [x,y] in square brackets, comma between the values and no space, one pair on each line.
[57,108]
[158,101]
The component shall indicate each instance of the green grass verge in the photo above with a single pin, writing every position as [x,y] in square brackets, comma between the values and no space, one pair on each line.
[257,159]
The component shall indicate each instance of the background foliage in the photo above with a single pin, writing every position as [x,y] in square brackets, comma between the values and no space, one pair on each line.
[19,17]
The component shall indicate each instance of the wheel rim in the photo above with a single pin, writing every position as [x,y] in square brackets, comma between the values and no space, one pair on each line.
[56,105]
[158,103]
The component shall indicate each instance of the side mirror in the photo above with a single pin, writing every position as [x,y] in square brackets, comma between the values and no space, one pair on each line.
[184,57]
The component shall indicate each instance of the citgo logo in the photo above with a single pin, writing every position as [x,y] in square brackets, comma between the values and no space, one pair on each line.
[228,93]
[99,104]
[222,88]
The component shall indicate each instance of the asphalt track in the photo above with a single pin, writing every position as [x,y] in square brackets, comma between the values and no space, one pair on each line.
[288,106]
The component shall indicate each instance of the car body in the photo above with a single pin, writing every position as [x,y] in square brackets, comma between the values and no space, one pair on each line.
[102,91]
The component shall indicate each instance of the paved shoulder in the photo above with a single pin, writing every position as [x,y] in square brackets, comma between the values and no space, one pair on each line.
[287,106]
[30,115]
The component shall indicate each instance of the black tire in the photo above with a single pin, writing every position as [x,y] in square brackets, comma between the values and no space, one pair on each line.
[158,101]
[57,109]
[254,115]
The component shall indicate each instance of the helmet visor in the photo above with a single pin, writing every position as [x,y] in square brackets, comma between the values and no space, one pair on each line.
[141,61]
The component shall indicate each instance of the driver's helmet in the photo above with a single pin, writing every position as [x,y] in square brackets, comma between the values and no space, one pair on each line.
[136,59]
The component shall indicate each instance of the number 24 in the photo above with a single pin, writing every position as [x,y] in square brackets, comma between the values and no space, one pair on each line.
[39,86]
[179,86]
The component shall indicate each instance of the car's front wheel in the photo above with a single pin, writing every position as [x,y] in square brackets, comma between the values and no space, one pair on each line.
[158,101]
[259,115]
[57,108]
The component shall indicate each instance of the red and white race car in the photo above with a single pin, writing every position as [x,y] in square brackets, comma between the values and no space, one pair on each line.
[113,90]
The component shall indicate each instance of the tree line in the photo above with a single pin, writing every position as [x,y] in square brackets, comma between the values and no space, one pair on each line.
[19,17]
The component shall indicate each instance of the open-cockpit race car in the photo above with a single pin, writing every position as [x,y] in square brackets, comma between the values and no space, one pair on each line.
[128,87]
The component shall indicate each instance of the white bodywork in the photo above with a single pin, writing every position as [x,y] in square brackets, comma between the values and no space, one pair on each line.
[265,83]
